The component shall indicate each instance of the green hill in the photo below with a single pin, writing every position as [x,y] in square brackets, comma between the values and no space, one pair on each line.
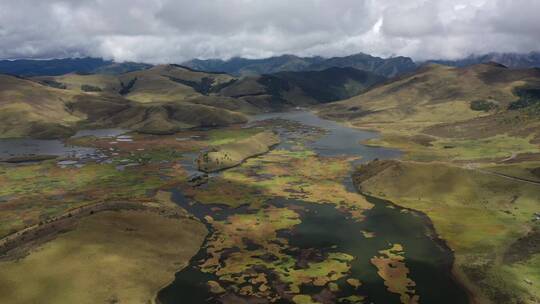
[470,139]
[162,99]
[28,108]
[52,107]
[439,96]
[290,89]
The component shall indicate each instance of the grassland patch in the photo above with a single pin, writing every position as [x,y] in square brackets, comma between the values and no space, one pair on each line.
[479,215]
[110,257]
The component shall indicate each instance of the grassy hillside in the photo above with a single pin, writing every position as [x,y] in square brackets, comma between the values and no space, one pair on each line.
[486,219]
[168,83]
[471,138]
[163,99]
[79,82]
[160,100]
[333,83]
[288,89]
[31,109]
[106,253]
[436,94]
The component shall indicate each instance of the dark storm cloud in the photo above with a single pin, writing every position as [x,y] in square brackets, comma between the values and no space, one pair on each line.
[173,31]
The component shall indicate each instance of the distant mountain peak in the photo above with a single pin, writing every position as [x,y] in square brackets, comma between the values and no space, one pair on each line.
[241,66]
[495,64]
[509,60]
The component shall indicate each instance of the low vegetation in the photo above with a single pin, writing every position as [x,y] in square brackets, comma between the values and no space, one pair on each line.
[483,105]
[232,154]
[480,215]
[110,257]
[527,97]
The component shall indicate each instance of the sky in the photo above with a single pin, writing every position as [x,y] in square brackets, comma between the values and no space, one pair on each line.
[167,31]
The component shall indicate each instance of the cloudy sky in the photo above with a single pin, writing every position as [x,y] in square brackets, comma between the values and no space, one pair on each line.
[159,31]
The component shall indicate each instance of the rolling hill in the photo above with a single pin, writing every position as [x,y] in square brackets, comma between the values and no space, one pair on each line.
[31,109]
[470,139]
[439,95]
[51,107]
[162,99]
[288,89]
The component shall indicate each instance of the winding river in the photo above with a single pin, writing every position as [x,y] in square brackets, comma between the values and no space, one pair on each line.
[323,226]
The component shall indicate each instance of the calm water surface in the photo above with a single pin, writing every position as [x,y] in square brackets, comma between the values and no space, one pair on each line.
[19,147]
[324,227]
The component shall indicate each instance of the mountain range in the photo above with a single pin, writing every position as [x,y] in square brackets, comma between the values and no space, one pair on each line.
[167,98]
[511,60]
[54,67]
[240,66]
[387,67]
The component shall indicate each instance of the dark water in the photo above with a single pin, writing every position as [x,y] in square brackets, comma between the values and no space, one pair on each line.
[101,133]
[28,147]
[327,229]
[19,147]
[428,260]
[339,139]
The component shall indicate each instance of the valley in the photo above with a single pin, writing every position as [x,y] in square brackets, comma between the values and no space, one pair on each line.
[269,152]
[186,185]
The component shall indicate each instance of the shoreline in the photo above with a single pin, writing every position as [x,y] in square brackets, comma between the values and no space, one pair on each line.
[442,243]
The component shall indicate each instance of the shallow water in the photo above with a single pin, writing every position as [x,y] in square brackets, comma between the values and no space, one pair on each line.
[27,147]
[20,147]
[327,229]
[101,133]
[339,139]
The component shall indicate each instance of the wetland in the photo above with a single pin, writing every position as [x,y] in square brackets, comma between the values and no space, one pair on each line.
[293,246]
[285,226]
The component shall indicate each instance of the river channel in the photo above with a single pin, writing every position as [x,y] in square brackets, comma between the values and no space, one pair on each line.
[326,230]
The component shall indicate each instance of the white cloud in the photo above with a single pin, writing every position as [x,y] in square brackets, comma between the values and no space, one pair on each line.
[174,31]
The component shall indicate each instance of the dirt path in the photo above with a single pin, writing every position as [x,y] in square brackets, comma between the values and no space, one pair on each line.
[514,155]
[19,243]
[518,179]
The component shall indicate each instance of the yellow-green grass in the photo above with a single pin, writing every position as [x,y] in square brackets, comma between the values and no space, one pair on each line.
[38,192]
[35,192]
[262,228]
[391,267]
[219,137]
[111,257]
[524,170]
[433,95]
[26,107]
[30,108]
[75,82]
[234,153]
[157,85]
[421,147]
[479,215]
[280,173]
